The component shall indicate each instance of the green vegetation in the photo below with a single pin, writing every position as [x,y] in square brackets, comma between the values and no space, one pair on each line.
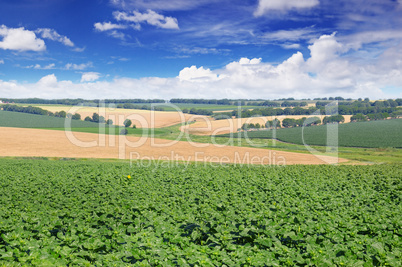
[25,120]
[374,134]
[78,213]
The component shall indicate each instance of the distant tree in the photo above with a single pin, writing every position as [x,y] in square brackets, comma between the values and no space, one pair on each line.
[123,132]
[95,117]
[312,121]
[127,123]
[77,116]
[60,114]
[286,123]
[87,118]
[109,122]
[134,126]
[101,119]
[69,116]
[358,117]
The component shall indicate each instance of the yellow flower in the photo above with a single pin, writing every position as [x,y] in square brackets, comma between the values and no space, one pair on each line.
[128,176]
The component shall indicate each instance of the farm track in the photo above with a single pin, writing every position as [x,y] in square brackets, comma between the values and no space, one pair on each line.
[19,142]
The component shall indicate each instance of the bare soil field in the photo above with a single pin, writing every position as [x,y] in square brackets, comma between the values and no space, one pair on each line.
[209,126]
[141,118]
[20,142]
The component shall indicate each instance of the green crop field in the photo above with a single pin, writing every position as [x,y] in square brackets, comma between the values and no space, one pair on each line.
[25,120]
[94,213]
[384,133]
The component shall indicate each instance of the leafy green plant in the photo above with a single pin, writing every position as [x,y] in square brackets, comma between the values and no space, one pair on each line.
[82,213]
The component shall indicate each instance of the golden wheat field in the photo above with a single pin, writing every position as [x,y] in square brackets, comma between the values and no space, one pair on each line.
[141,118]
[18,142]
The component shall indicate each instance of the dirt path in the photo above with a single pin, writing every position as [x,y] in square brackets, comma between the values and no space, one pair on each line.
[47,143]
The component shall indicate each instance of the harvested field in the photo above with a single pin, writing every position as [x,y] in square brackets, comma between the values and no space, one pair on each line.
[21,142]
[209,126]
[141,118]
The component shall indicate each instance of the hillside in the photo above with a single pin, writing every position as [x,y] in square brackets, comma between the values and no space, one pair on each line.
[383,133]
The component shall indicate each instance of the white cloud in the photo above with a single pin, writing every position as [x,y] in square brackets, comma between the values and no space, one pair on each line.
[117,35]
[39,67]
[48,81]
[357,40]
[54,36]
[1,61]
[323,50]
[160,4]
[196,74]
[326,71]
[71,66]
[265,6]
[150,17]
[90,76]
[290,46]
[254,61]
[20,39]
[107,26]
[291,35]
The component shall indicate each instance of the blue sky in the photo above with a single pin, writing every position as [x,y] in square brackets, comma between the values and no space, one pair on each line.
[200,49]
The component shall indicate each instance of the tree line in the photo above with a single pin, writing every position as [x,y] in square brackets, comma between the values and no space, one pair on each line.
[290,123]
[40,111]
[78,101]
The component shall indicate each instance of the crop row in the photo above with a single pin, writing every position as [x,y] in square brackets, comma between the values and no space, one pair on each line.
[384,133]
[82,213]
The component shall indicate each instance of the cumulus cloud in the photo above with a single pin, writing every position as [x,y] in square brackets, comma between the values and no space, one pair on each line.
[150,17]
[90,76]
[323,50]
[20,39]
[265,6]
[196,74]
[48,81]
[326,71]
[1,61]
[54,36]
[107,26]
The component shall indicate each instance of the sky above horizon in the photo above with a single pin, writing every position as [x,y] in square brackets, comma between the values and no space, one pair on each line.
[248,49]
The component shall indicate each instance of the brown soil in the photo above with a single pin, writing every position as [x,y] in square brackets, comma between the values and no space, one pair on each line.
[21,142]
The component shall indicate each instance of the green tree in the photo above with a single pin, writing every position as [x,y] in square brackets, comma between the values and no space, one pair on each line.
[127,123]
[123,132]
[109,122]
[77,116]
[87,118]
[95,117]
